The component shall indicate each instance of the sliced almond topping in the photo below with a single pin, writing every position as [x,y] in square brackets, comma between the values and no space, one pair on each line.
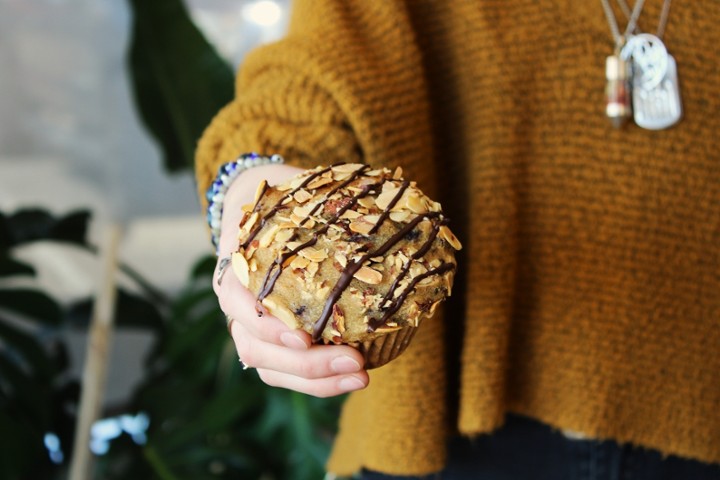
[281,312]
[386,329]
[241,268]
[267,236]
[313,254]
[446,234]
[288,261]
[417,269]
[386,196]
[374,173]
[299,262]
[372,219]
[283,235]
[402,216]
[341,259]
[302,196]
[367,202]
[286,200]
[377,259]
[312,268]
[297,219]
[350,214]
[250,251]
[292,245]
[427,281]
[249,222]
[259,192]
[361,226]
[398,173]
[415,203]
[338,318]
[303,211]
[319,182]
[253,265]
[347,167]
[297,181]
[368,275]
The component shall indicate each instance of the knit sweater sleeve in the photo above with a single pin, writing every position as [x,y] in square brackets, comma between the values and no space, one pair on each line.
[348,84]
[344,85]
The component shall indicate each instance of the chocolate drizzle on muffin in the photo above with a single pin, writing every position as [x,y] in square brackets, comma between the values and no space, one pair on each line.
[359,252]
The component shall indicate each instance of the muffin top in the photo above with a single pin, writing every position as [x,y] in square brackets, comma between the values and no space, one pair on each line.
[346,252]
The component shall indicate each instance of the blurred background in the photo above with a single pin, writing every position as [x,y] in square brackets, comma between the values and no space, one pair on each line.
[101,103]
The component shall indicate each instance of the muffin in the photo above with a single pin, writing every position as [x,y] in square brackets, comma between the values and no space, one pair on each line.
[350,254]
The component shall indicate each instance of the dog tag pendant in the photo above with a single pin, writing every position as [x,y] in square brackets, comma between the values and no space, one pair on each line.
[655,90]
[658,107]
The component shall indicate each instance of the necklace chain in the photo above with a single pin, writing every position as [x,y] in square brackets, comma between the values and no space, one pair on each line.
[633,17]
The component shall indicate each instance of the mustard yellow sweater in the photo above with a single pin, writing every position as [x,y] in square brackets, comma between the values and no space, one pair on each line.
[589,290]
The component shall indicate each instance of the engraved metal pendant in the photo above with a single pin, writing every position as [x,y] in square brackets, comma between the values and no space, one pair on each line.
[655,89]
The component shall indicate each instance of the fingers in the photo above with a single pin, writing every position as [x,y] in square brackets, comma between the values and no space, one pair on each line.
[286,357]
[321,387]
[318,361]
[239,303]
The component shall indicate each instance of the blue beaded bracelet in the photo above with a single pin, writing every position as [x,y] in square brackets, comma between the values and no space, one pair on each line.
[226,174]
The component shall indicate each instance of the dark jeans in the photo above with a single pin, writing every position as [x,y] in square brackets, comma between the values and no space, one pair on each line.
[528,450]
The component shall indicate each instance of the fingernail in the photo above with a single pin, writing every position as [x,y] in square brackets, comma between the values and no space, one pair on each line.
[344,365]
[350,383]
[291,340]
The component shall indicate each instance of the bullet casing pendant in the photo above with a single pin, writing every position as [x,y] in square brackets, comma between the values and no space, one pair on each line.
[618,102]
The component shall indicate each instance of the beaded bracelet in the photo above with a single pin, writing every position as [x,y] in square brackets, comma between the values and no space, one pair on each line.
[226,174]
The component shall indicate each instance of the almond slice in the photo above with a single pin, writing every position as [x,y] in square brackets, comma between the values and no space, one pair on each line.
[283,235]
[350,214]
[367,202]
[446,234]
[249,222]
[241,268]
[347,167]
[299,262]
[280,312]
[402,216]
[414,203]
[361,226]
[319,182]
[268,236]
[341,259]
[259,192]
[386,196]
[368,275]
[313,254]
[302,196]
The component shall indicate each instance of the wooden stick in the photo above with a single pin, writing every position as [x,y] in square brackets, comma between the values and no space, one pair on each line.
[97,354]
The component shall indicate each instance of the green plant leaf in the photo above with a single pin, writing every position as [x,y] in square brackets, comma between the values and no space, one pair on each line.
[31,304]
[27,349]
[29,225]
[179,80]
[9,267]
[204,267]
